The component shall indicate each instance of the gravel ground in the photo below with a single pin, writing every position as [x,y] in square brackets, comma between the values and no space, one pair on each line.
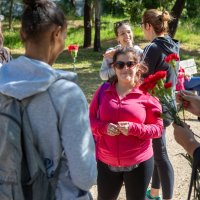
[182,170]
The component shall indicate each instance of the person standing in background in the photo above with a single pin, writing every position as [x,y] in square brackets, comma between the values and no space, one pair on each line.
[155,28]
[125,38]
[5,55]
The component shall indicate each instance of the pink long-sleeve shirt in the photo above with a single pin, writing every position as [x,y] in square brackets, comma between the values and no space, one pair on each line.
[142,111]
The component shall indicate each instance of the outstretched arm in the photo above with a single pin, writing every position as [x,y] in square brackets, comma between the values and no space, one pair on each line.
[185,137]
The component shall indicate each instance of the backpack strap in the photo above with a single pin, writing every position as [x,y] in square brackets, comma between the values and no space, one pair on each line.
[103,87]
[24,104]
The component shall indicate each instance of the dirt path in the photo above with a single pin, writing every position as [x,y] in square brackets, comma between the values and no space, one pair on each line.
[182,170]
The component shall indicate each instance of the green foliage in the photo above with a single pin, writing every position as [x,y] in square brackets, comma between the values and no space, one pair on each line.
[12,39]
[166,4]
[149,4]
[114,7]
[66,7]
[134,10]
[89,62]
[192,7]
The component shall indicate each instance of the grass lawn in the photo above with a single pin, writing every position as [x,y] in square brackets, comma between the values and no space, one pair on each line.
[89,62]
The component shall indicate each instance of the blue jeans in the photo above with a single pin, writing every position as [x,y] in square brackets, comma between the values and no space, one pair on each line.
[193,84]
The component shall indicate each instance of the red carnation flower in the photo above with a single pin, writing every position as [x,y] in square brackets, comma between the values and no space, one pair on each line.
[73,50]
[160,75]
[72,47]
[168,85]
[171,57]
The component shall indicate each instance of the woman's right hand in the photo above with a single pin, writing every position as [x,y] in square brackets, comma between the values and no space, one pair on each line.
[112,129]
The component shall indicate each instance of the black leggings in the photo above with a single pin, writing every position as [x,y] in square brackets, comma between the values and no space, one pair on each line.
[163,170]
[136,181]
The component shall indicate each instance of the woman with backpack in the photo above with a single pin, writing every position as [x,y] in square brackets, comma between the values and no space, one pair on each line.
[57,108]
[124,120]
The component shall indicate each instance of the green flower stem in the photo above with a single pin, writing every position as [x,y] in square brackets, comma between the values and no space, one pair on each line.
[74,67]
[165,100]
[74,60]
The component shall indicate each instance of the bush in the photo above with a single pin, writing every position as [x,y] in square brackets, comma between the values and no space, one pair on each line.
[134,10]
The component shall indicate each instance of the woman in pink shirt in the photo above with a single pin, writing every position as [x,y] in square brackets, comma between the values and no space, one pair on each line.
[124,120]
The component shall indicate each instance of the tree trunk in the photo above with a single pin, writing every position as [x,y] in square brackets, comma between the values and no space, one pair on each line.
[10,14]
[72,2]
[87,24]
[97,42]
[176,13]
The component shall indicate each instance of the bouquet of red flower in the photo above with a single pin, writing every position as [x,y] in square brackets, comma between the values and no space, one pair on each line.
[156,86]
[73,50]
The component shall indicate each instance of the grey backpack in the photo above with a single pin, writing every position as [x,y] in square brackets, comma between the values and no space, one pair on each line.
[22,171]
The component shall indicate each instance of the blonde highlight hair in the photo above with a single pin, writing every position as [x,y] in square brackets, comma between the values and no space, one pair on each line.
[158,19]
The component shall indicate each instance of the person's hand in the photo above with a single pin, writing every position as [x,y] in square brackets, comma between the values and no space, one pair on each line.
[112,129]
[123,127]
[187,76]
[185,137]
[128,44]
[109,54]
[190,101]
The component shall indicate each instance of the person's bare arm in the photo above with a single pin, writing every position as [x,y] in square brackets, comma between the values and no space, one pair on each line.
[185,137]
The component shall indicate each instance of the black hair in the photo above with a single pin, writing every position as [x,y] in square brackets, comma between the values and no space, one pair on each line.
[38,16]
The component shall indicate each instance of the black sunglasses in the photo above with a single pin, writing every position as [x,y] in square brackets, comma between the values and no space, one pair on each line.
[120,64]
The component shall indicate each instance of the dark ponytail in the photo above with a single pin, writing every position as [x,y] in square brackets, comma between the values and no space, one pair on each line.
[39,16]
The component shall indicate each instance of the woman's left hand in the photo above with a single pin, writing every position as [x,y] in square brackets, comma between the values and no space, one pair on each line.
[112,129]
[123,127]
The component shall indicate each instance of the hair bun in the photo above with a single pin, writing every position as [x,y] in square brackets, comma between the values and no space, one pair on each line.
[166,16]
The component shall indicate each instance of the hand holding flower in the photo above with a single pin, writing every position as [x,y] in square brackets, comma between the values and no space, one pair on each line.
[190,101]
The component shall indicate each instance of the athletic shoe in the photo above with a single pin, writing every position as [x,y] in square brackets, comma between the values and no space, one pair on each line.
[148,196]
